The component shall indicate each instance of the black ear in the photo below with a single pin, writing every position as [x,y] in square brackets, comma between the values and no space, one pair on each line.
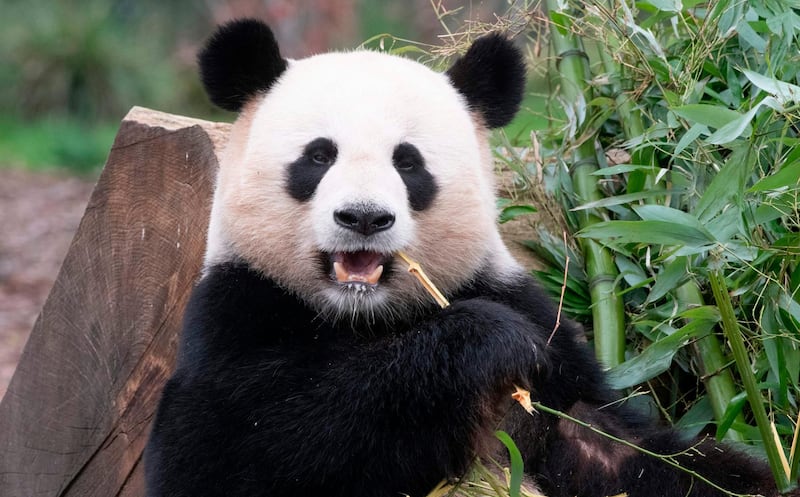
[491,75]
[239,60]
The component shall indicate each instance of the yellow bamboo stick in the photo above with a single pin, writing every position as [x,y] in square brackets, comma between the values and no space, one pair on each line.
[415,269]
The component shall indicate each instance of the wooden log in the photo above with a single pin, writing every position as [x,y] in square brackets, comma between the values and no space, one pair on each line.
[74,420]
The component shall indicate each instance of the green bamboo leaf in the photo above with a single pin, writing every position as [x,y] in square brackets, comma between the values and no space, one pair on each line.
[782,91]
[647,35]
[715,116]
[734,85]
[624,199]
[696,418]
[734,129]
[790,305]
[731,413]
[792,357]
[788,176]
[650,232]
[561,21]
[603,103]
[656,358]
[708,313]
[514,211]
[515,486]
[669,278]
[690,136]
[726,14]
[765,213]
[774,347]
[726,185]
[750,37]
[633,273]
[623,168]
[725,225]
[666,5]
[653,212]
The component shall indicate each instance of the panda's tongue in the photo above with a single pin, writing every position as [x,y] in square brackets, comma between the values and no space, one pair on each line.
[362,267]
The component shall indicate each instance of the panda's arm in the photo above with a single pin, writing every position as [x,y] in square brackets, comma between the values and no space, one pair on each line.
[418,407]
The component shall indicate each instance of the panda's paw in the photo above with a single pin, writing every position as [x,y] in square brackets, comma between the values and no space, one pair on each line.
[500,343]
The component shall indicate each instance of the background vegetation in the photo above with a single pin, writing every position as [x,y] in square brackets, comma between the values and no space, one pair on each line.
[671,158]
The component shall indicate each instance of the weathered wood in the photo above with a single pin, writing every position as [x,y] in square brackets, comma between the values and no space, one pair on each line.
[75,418]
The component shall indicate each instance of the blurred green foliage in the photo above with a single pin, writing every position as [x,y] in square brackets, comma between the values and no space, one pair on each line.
[91,60]
[78,146]
[72,69]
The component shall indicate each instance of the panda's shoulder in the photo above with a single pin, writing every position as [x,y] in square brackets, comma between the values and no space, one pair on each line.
[518,290]
[235,309]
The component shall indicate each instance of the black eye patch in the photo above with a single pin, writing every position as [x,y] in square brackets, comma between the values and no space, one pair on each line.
[420,183]
[307,171]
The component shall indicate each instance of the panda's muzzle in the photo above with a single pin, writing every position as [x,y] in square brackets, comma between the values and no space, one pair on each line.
[363,266]
[365,226]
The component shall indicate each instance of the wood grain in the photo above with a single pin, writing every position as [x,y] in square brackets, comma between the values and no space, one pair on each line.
[76,415]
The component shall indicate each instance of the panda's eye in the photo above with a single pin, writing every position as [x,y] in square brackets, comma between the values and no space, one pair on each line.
[321,159]
[407,158]
[405,166]
[321,152]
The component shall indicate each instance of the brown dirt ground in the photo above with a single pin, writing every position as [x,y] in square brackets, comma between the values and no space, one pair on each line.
[39,213]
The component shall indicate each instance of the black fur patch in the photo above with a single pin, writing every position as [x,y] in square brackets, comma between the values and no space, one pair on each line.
[305,173]
[240,60]
[420,183]
[491,75]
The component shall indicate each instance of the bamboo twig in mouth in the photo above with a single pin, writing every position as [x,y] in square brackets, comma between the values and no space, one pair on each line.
[415,269]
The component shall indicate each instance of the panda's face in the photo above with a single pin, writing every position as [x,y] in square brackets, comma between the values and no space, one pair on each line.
[340,161]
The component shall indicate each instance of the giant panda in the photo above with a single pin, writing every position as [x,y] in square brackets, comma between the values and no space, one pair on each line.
[312,363]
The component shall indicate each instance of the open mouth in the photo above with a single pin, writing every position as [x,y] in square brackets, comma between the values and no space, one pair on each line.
[362,267]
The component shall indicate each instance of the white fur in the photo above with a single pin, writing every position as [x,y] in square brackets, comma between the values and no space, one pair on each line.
[367,103]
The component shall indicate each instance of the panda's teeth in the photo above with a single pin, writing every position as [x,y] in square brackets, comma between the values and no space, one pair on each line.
[373,278]
[341,274]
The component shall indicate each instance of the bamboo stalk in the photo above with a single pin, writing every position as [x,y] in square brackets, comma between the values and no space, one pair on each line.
[716,376]
[630,117]
[731,328]
[608,317]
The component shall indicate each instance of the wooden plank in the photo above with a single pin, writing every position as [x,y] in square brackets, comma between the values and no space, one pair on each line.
[76,415]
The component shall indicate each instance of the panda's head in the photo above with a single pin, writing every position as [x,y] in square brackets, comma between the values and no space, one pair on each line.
[340,160]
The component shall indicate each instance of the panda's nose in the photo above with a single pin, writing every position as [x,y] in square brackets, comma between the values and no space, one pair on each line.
[364,220]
